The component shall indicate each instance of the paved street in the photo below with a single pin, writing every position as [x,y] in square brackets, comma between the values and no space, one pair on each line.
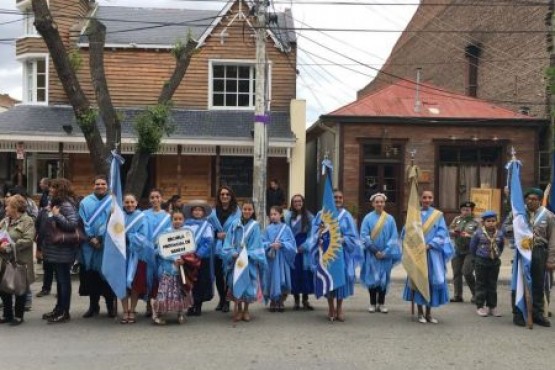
[295,340]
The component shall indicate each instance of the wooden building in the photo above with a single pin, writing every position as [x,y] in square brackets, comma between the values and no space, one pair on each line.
[213,109]
[459,143]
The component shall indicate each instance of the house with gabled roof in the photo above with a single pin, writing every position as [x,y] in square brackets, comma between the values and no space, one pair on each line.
[213,109]
[458,142]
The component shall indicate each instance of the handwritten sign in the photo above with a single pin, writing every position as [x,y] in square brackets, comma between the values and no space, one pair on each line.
[174,244]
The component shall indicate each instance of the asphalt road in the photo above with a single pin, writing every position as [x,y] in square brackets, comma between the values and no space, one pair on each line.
[290,340]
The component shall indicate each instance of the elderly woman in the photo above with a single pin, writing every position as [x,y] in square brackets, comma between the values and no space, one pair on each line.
[62,214]
[21,230]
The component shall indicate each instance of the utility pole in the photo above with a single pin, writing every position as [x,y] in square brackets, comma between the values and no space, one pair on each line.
[550,23]
[261,118]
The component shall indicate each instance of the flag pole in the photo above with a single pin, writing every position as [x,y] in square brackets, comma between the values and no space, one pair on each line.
[412,154]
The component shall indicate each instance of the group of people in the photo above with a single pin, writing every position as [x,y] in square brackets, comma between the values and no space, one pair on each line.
[249,264]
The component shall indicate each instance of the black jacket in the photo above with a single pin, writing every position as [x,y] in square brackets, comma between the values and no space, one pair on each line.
[66,220]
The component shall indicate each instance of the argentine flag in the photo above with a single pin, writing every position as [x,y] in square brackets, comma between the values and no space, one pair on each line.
[114,264]
[241,278]
[523,240]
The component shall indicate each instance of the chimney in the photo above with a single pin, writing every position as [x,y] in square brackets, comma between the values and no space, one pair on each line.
[417,102]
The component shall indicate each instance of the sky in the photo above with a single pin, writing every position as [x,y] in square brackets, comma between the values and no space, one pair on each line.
[333,65]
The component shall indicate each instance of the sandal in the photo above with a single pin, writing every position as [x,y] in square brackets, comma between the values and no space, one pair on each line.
[124,318]
[131,318]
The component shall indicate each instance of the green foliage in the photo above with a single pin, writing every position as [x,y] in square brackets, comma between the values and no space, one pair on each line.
[550,75]
[179,46]
[75,60]
[86,120]
[152,125]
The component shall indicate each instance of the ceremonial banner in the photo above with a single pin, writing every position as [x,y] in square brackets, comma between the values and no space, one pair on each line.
[523,236]
[174,244]
[114,264]
[415,259]
[328,253]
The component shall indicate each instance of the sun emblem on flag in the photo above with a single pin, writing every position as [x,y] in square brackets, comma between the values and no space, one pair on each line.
[527,243]
[118,228]
[332,227]
[240,264]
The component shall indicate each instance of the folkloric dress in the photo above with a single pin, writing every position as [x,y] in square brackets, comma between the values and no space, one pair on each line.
[277,281]
[440,252]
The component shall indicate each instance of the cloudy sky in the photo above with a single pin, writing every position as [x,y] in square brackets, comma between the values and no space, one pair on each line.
[329,61]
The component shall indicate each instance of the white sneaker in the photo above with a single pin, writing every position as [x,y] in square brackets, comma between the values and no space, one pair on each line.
[422,319]
[372,309]
[483,312]
[383,309]
[432,320]
[493,312]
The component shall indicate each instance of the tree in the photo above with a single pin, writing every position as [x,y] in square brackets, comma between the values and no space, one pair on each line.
[150,126]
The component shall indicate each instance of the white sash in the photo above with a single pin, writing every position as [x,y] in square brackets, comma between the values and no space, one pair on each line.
[160,225]
[134,221]
[98,211]
[200,232]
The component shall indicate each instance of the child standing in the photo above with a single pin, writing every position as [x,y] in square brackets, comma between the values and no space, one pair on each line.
[281,249]
[173,294]
[244,261]
[196,212]
[487,245]
[136,230]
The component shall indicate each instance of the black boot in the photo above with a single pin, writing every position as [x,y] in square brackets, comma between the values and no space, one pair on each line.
[518,320]
[542,321]
[225,307]
[220,305]
[94,307]
[110,307]
[59,318]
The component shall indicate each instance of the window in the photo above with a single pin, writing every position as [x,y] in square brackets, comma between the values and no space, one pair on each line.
[236,172]
[35,80]
[28,26]
[461,169]
[232,85]
[472,53]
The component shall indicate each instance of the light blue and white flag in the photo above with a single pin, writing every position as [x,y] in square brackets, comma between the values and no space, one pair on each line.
[241,276]
[114,266]
[523,237]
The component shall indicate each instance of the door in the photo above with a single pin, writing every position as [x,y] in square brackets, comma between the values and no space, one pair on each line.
[382,178]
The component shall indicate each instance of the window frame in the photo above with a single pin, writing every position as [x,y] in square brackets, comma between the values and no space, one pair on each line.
[33,59]
[29,29]
[251,63]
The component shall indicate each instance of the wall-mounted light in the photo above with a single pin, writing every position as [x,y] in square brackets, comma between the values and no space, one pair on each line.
[495,138]
[452,137]
[475,138]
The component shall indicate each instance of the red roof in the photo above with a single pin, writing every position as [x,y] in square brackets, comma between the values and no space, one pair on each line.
[398,100]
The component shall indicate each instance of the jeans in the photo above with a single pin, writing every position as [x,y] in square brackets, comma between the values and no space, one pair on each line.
[48,276]
[63,286]
[487,273]
[7,300]
[220,279]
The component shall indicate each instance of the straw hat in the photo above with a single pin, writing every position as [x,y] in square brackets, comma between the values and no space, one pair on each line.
[187,208]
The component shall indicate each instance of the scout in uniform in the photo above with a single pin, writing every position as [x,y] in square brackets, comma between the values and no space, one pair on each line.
[486,247]
[461,230]
[542,223]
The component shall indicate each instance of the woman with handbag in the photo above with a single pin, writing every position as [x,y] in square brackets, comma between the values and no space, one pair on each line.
[18,230]
[61,235]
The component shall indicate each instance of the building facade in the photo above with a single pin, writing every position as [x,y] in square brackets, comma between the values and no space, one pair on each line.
[459,143]
[213,109]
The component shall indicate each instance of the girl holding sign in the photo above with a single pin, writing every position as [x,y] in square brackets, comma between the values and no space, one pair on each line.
[244,262]
[174,295]
[281,249]
[196,213]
